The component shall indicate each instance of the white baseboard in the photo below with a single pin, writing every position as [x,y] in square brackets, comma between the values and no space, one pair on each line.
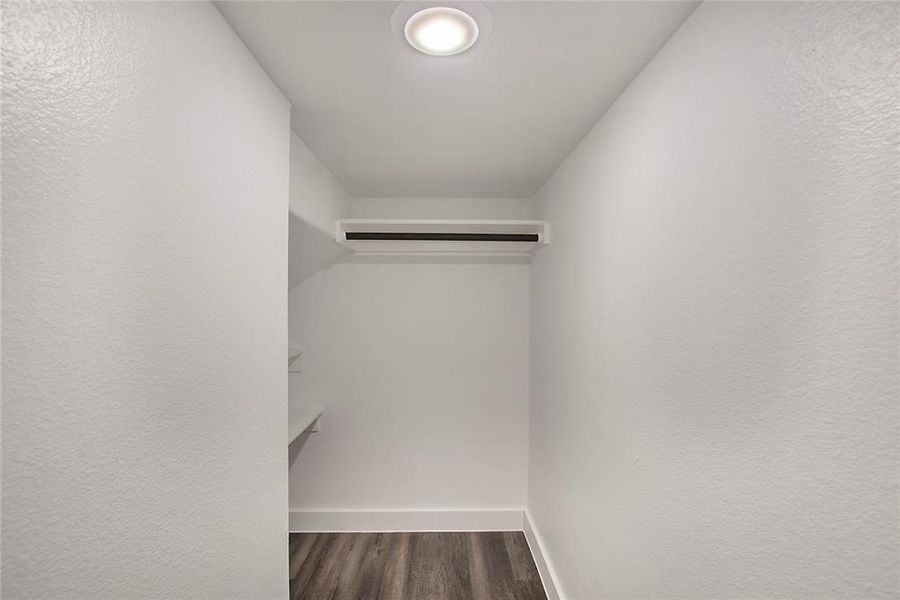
[406,520]
[542,560]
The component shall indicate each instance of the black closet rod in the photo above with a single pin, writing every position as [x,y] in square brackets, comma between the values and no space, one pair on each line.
[441,237]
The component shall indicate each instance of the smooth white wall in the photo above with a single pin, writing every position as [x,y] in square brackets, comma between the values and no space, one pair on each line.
[422,370]
[715,325]
[442,208]
[317,201]
[145,201]
[316,196]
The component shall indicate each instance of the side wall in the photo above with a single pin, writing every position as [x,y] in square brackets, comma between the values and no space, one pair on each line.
[422,370]
[145,201]
[317,201]
[316,196]
[715,326]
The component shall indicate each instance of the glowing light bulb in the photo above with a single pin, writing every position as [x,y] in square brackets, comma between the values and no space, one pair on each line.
[441,31]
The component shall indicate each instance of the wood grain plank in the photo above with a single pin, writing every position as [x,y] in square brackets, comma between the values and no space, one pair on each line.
[519,556]
[371,573]
[526,580]
[426,573]
[455,558]
[318,552]
[499,571]
[420,566]
[324,581]
[479,579]
[301,544]
[351,565]
[439,566]
[396,568]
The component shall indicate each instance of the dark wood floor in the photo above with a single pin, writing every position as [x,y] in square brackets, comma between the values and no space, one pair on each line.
[492,565]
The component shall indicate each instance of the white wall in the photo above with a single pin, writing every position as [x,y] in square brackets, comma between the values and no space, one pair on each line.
[317,201]
[145,200]
[316,195]
[442,208]
[422,370]
[715,326]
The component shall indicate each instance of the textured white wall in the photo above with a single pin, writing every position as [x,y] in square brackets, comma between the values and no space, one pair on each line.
[145,196]
[715,326]
[423,373]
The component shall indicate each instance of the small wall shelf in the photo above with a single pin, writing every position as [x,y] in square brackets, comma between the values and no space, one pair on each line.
[301,419]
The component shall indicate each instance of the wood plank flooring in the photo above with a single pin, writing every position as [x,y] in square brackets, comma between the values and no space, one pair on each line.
[484,565]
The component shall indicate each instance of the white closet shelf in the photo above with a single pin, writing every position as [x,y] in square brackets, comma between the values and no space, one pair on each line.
[301,419]
[442,236]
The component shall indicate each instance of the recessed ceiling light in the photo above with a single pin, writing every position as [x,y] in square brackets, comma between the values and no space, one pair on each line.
[441,31]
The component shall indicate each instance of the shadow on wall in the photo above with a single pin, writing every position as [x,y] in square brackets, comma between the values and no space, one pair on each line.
[295,447]
[309,250]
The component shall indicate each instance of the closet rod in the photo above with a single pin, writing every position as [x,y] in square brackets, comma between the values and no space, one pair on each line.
[442,237]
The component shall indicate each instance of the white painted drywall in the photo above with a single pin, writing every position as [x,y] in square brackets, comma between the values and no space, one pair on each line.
[715,325]
[442,208]
[317,201]
[493,121]
[422,370]
[145,201]
[316,196]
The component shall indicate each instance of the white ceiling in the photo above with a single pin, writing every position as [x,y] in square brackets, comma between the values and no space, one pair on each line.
[495,121]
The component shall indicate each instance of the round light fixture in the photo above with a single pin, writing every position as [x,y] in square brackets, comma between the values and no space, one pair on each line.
[441,31]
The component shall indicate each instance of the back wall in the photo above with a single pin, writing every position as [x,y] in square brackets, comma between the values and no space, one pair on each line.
[422,370]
